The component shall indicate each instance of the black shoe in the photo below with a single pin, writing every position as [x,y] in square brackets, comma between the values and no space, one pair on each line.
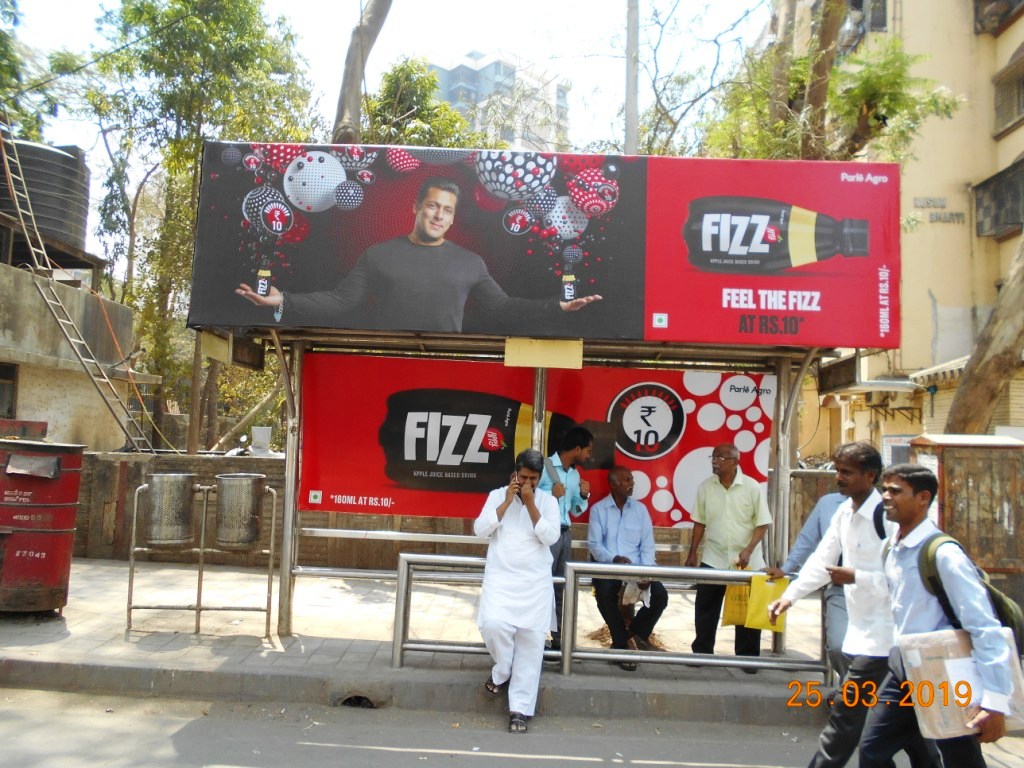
[749,670]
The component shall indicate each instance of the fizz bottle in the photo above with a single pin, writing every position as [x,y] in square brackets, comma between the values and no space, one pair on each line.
[263,279]
[458,440]
[750,235]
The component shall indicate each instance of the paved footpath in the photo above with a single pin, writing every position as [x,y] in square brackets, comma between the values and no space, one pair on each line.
[342,648]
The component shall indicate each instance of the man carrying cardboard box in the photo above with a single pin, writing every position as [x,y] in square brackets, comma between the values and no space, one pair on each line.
[907,493]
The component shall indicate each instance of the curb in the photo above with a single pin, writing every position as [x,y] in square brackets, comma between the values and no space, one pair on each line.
[707,699]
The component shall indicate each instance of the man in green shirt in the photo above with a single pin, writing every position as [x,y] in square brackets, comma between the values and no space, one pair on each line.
[731,518]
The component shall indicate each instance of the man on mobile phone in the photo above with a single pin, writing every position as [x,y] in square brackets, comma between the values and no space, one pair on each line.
[517,601]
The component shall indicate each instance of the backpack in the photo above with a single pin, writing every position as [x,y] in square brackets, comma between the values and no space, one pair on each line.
[879,520]
[1007,611]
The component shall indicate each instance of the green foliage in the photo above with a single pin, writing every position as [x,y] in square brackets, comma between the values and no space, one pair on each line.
[873,99]
[242,388]
[406,110]
[27,106]
[182,72]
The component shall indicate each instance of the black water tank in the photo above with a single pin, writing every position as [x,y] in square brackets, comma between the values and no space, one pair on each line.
[58,188]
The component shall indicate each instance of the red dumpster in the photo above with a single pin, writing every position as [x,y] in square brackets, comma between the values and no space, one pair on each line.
[38,501]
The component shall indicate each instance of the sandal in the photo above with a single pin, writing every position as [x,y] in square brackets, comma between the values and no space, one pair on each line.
[516,722]
[494,688]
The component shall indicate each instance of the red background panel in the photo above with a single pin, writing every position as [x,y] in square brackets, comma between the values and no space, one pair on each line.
[686,303]
[661,424]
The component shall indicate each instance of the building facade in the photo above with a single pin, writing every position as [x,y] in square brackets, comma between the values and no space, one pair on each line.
[508,98]
[962,200]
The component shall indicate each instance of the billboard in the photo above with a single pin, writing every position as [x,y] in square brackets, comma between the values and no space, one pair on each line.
[429,437]
[506,243]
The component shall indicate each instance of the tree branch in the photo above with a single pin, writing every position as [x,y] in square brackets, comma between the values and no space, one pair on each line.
[348,114]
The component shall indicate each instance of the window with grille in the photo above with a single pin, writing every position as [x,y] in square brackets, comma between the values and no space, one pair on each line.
[1009,94]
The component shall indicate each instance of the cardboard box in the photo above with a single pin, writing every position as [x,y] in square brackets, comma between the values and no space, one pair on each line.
[938,665]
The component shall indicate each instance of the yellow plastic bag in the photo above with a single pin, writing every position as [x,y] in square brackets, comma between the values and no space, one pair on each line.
[734,609]
[763,594]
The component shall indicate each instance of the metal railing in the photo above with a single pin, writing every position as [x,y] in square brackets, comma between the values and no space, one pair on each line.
[469,570]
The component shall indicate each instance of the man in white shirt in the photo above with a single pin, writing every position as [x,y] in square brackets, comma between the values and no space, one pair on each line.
[807,540]
[908,491]
[731,516]
[517,600]
[853,535]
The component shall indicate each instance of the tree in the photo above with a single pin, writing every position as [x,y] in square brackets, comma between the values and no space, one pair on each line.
[679,90]
[995,360]
[183,72]
[348,118]
[834,108]
[406,110]
[24,85]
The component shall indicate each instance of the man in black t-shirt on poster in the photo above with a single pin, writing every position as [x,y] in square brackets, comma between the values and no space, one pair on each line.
[419,281]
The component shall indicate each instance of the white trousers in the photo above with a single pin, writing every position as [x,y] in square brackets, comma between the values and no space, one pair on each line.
[518,654]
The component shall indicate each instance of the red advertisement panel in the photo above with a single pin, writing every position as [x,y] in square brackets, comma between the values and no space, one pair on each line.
[785,252]
[508,243]
[416,437]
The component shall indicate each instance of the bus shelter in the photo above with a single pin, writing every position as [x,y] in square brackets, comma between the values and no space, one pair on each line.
[435,311]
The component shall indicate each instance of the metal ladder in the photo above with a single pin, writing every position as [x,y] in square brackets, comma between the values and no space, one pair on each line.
[42,278]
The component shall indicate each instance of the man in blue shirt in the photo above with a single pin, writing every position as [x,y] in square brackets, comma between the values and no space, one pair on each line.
[836,618]
[562,480]
[620,531]
[907,492]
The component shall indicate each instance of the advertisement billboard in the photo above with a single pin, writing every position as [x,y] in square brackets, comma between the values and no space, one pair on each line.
[505,243]
[429,437]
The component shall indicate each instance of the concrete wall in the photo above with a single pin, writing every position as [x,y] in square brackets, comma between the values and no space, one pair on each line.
[26,326]
[52,386]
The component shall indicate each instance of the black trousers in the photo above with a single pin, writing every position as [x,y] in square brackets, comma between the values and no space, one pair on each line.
[643,622]
[891,728]
[860,686]
[708,612]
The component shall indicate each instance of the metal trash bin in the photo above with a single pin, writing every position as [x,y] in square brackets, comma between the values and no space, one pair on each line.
[239,503]
[39,485]
[170,519]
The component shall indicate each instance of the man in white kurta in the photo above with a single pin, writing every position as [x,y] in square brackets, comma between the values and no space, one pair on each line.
[517,602]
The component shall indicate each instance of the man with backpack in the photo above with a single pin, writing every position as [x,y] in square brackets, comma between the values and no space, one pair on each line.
[855,535]
[907,493]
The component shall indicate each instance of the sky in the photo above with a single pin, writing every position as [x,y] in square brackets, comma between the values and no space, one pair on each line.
[583,43]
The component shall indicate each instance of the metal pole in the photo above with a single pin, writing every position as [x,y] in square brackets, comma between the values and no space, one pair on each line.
[292,382]
[401,627]
[779,481]
[202,551]
[569,617]
[540,393]
[131,550]
[632,69]
[270,558]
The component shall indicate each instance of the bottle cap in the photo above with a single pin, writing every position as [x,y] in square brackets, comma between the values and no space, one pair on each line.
[853,237]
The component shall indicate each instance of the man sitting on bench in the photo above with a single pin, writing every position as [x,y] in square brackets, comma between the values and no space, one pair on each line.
[620,531]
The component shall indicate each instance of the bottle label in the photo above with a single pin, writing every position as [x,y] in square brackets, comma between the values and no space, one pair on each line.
[263,282]
[453,439]
[568,287]
[745,235]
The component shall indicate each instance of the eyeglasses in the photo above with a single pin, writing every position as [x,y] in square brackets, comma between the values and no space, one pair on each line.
[715,457]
